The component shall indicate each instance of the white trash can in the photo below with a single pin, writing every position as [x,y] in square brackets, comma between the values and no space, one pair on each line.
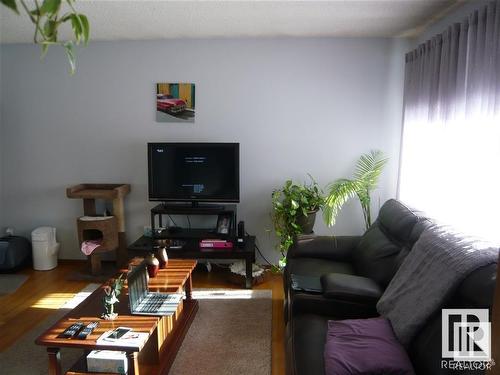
[45,248]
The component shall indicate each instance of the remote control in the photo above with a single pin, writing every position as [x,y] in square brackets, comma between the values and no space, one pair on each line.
[73,329]
[87,330]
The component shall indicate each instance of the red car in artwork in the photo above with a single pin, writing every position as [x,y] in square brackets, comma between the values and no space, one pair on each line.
[168,104]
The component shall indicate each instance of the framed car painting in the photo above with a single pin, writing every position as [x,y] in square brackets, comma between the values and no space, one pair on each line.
[175,102]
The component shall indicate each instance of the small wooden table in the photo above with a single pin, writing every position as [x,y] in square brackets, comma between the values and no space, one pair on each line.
[166,333]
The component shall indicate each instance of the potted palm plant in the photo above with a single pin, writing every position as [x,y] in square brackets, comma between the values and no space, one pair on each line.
[294,212]
[368,170]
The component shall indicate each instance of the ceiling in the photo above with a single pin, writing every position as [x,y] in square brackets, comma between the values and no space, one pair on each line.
[165,19]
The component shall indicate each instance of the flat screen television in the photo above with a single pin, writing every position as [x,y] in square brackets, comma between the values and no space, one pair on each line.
[194,172]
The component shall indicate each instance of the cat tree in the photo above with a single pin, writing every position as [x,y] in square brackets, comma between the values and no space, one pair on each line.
[110,230]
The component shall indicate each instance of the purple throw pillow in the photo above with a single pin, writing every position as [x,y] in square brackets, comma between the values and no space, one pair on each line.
[364,346]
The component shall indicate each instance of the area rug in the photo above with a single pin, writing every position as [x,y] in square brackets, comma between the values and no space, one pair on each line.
[231,334]
[10,283]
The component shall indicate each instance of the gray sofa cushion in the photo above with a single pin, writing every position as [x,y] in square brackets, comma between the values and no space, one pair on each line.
[383,247]
[397,219]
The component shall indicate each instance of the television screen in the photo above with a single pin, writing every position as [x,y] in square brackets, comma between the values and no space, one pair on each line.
[190,172]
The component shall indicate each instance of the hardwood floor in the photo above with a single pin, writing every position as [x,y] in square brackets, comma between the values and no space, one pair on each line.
[35,300]
[46,291]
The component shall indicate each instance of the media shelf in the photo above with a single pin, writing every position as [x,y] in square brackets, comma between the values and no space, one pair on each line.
[191,234]
[190,249]
[183,209]
[201,208]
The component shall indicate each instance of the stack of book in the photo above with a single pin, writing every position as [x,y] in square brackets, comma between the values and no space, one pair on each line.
[115,361]
[130,339]
[215,244]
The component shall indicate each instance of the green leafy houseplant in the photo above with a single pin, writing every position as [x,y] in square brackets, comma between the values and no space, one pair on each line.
[291,204]
[111,292]
[47,17]
[368,170]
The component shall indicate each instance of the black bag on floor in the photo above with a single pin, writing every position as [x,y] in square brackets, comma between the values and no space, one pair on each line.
[15,252]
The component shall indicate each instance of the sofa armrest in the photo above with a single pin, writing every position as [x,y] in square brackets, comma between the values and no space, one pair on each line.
[337,248]
[351,288]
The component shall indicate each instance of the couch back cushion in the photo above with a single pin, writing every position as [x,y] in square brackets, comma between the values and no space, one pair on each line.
[385,244]
[397,219]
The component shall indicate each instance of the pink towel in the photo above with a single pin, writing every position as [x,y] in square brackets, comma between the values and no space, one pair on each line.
[89,246]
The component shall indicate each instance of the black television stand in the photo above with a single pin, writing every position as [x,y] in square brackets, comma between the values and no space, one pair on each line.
[184,243]
[190,249]
[161,210]
[192,206]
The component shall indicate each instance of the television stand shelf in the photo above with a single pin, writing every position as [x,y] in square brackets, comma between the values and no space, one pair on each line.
[191,250]
[182,208]
[203,209]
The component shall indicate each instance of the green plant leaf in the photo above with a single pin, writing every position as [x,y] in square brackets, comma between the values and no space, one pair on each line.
[10,4]
[288,203]
[50,7]
[50,30]
[69,47]
[85,28]
[368,170]
[45,17]
[282,263]
[369,167]
[45,48]
[76,26]
[339,193]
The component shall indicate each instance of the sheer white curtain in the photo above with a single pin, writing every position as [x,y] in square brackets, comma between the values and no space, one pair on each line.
[450,162]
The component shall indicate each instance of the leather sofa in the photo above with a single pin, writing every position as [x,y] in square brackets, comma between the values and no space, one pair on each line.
[354,272]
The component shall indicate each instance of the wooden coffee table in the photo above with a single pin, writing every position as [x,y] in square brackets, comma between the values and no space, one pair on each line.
[165,332]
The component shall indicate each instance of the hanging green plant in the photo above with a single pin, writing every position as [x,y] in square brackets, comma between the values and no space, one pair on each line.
[47,18]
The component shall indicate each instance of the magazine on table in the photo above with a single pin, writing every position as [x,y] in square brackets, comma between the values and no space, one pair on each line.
[122,336]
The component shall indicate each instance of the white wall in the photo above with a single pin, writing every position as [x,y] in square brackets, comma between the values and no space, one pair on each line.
[297,106]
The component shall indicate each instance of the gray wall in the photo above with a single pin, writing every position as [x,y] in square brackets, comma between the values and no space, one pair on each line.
[297,106]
